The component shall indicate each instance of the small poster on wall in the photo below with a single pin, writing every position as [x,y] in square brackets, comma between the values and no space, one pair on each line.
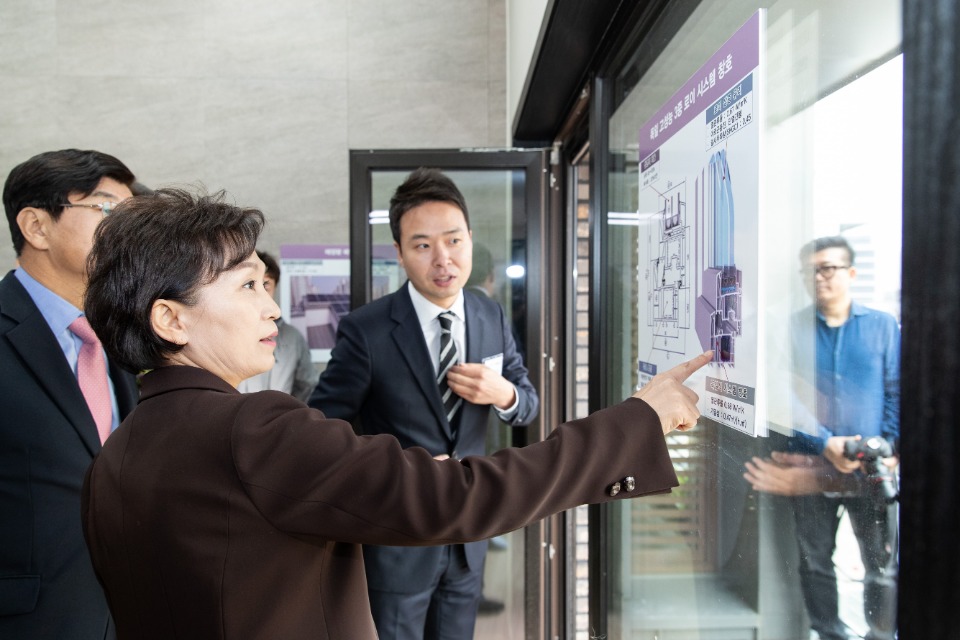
[315,292]
[386,273]
[699,229]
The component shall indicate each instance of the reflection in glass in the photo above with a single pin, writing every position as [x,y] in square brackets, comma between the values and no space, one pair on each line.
[494,198]
[718,558]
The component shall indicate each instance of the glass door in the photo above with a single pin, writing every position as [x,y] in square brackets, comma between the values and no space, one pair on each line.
[505,192]
[727,554]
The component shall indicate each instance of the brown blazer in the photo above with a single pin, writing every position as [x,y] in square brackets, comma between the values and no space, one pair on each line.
[213,514]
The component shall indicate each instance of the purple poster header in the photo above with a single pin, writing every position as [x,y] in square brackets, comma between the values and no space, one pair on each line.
[735,59]
[314,252]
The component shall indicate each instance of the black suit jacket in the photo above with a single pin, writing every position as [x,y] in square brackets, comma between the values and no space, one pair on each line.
[47,440]
[215,514]
[380,376]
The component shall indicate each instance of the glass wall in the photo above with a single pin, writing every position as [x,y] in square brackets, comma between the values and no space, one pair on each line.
[495,198]
[744,547]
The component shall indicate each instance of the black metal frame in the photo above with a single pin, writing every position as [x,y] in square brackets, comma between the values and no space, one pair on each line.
[659,19]
[531,161]
[541,274]
[930,367]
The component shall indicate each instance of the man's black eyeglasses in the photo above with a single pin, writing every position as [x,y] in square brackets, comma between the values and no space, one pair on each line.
[825,270]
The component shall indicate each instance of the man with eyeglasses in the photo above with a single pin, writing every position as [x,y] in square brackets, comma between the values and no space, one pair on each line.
[59,397]
[853,396]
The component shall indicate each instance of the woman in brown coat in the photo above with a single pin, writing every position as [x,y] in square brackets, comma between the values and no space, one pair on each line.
[215,514]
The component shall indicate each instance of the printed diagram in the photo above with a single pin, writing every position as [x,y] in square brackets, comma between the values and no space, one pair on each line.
[669,294]
[719,318]
[696,258]
[697,265]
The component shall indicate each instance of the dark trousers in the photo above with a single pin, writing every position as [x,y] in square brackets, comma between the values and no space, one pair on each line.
[447,610]
[875,527]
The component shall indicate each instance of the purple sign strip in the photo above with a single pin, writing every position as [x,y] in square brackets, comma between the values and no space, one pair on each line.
[735,59]
[314,251]
[383,252]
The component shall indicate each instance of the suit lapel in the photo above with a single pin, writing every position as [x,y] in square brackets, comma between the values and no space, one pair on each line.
[475,328]
[410,342]
[42,356]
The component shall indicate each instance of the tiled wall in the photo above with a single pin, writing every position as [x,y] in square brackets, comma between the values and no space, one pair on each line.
[263,99]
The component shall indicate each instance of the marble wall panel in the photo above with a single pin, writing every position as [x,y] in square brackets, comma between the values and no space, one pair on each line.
[263,99]
[434,114]
[281,145]
[154,125]
[421,40]
[28,37]
[499,133]
[28,124]
[277,39]
[98,38]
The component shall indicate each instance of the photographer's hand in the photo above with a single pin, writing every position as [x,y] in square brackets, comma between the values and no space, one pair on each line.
[833,452]
[786,474]
[795,474]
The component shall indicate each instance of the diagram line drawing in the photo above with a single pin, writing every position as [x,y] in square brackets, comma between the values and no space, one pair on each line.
[674,279]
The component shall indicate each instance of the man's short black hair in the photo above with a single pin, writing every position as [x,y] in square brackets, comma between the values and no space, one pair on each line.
[422,186]
[482,265]
[273,269]
[827,242]
[45,181]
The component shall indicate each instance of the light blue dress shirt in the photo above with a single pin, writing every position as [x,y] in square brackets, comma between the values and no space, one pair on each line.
[59,314]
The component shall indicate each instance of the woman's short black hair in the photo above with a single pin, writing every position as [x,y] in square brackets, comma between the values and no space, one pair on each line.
[160,246]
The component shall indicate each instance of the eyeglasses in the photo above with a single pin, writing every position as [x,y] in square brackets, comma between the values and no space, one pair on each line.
[105,207]
[825,270]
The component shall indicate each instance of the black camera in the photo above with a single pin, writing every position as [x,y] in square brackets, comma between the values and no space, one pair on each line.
[871,452]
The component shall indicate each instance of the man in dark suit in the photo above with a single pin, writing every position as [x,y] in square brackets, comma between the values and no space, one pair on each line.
[48,433]
[403,366]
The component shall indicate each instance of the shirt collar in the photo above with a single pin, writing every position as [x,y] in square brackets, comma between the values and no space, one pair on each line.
[427,311]
[56,311]
[856,309]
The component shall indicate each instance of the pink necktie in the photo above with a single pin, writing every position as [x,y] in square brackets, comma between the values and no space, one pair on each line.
[92,376]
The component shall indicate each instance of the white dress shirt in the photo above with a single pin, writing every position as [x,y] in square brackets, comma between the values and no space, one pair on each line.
[427,313]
